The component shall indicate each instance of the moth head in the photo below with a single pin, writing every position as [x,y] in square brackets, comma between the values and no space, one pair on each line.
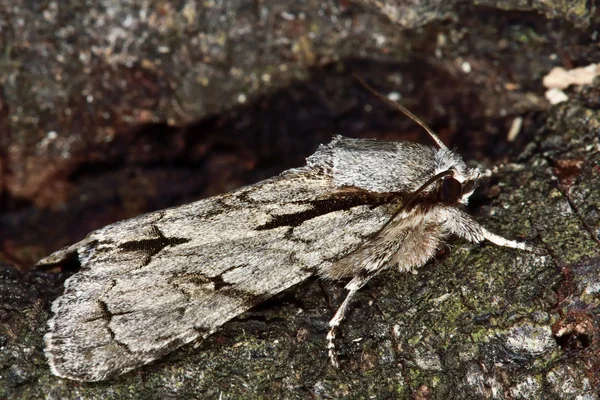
[460,181]
[451,190]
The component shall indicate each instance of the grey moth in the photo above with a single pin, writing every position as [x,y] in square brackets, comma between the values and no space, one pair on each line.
[153,283]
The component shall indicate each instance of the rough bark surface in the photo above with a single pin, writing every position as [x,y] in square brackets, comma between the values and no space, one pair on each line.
[110,111]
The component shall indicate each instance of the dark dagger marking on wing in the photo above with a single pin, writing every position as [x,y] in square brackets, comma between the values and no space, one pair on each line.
[335,203]
[151,247]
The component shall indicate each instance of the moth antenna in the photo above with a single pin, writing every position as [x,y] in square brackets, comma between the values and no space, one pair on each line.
[403,109]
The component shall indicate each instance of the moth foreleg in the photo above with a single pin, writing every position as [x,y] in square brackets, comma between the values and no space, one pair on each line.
[353,286]
[461,224]
[500,241]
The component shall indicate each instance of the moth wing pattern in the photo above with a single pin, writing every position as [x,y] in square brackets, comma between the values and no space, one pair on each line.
[152,283]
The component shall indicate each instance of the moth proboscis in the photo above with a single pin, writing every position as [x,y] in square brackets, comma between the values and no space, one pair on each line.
[150,284]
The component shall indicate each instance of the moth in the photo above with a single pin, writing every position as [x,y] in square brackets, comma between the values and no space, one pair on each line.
[153,283]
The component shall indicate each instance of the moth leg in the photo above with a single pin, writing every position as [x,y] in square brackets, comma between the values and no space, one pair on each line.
[462,225]
[500,241]
[353,286]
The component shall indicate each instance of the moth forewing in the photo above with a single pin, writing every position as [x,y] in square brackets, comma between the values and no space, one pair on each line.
[152,283]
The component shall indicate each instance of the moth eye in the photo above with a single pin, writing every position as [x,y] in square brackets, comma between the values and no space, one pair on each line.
[450,191]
